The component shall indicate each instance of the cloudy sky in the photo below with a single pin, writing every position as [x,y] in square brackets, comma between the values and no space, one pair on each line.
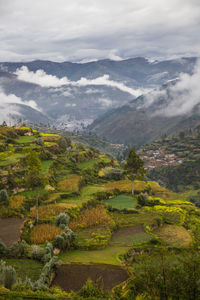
[65,30]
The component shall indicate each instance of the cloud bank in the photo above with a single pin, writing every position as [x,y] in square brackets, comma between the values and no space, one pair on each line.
[182,97]
[41,78]
[78,30]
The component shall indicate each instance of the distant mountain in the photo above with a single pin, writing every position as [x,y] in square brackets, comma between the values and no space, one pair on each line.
[137,71]
[140,122]
[90,89]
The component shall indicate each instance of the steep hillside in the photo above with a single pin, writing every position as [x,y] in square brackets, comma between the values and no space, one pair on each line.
[174,162]
[148,118]
[60,200]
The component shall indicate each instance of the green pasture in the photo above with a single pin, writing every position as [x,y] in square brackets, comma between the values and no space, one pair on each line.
[108,255]
[122,201]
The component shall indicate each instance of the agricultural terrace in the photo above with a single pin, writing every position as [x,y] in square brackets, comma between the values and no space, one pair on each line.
[86,212]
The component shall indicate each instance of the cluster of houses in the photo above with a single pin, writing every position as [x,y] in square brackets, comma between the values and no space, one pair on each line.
[158,158]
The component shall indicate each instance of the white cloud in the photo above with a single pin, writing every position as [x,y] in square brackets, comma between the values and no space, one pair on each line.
[8,107]
[41,78]
[181,97]
[13,99]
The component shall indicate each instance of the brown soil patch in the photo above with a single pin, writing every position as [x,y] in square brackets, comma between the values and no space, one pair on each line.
[73,276]
[10,230]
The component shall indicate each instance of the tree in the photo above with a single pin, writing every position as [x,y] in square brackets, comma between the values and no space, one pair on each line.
[35,179]
[134,167]
[34,163]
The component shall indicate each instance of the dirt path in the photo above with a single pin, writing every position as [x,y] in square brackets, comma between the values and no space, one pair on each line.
[10,230]
[73,276]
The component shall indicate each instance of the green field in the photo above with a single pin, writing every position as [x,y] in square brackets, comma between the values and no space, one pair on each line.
[25,139]
[127,220]
[45,166]
[122,201]
[130,236]
[88,164]
[33,193]
[26,268]
[85,195]
[109,255]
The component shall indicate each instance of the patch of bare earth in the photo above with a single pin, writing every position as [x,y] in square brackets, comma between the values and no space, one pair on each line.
[10,230]
[73,276]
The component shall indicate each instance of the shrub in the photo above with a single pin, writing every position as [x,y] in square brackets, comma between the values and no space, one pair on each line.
[19,249]
[93,289]
[7,275]
[146,200]
[65,240]
[4,197]
[37,252]
[62,218]
[10,277]
[170,215]
[45,276]
[2,248]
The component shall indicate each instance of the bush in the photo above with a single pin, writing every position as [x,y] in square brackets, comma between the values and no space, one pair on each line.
[93,289]
[19,249]
[2,248]
[4,197]
[146,200]
[62,218]
[37,252]
[65,240]
[7,275]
